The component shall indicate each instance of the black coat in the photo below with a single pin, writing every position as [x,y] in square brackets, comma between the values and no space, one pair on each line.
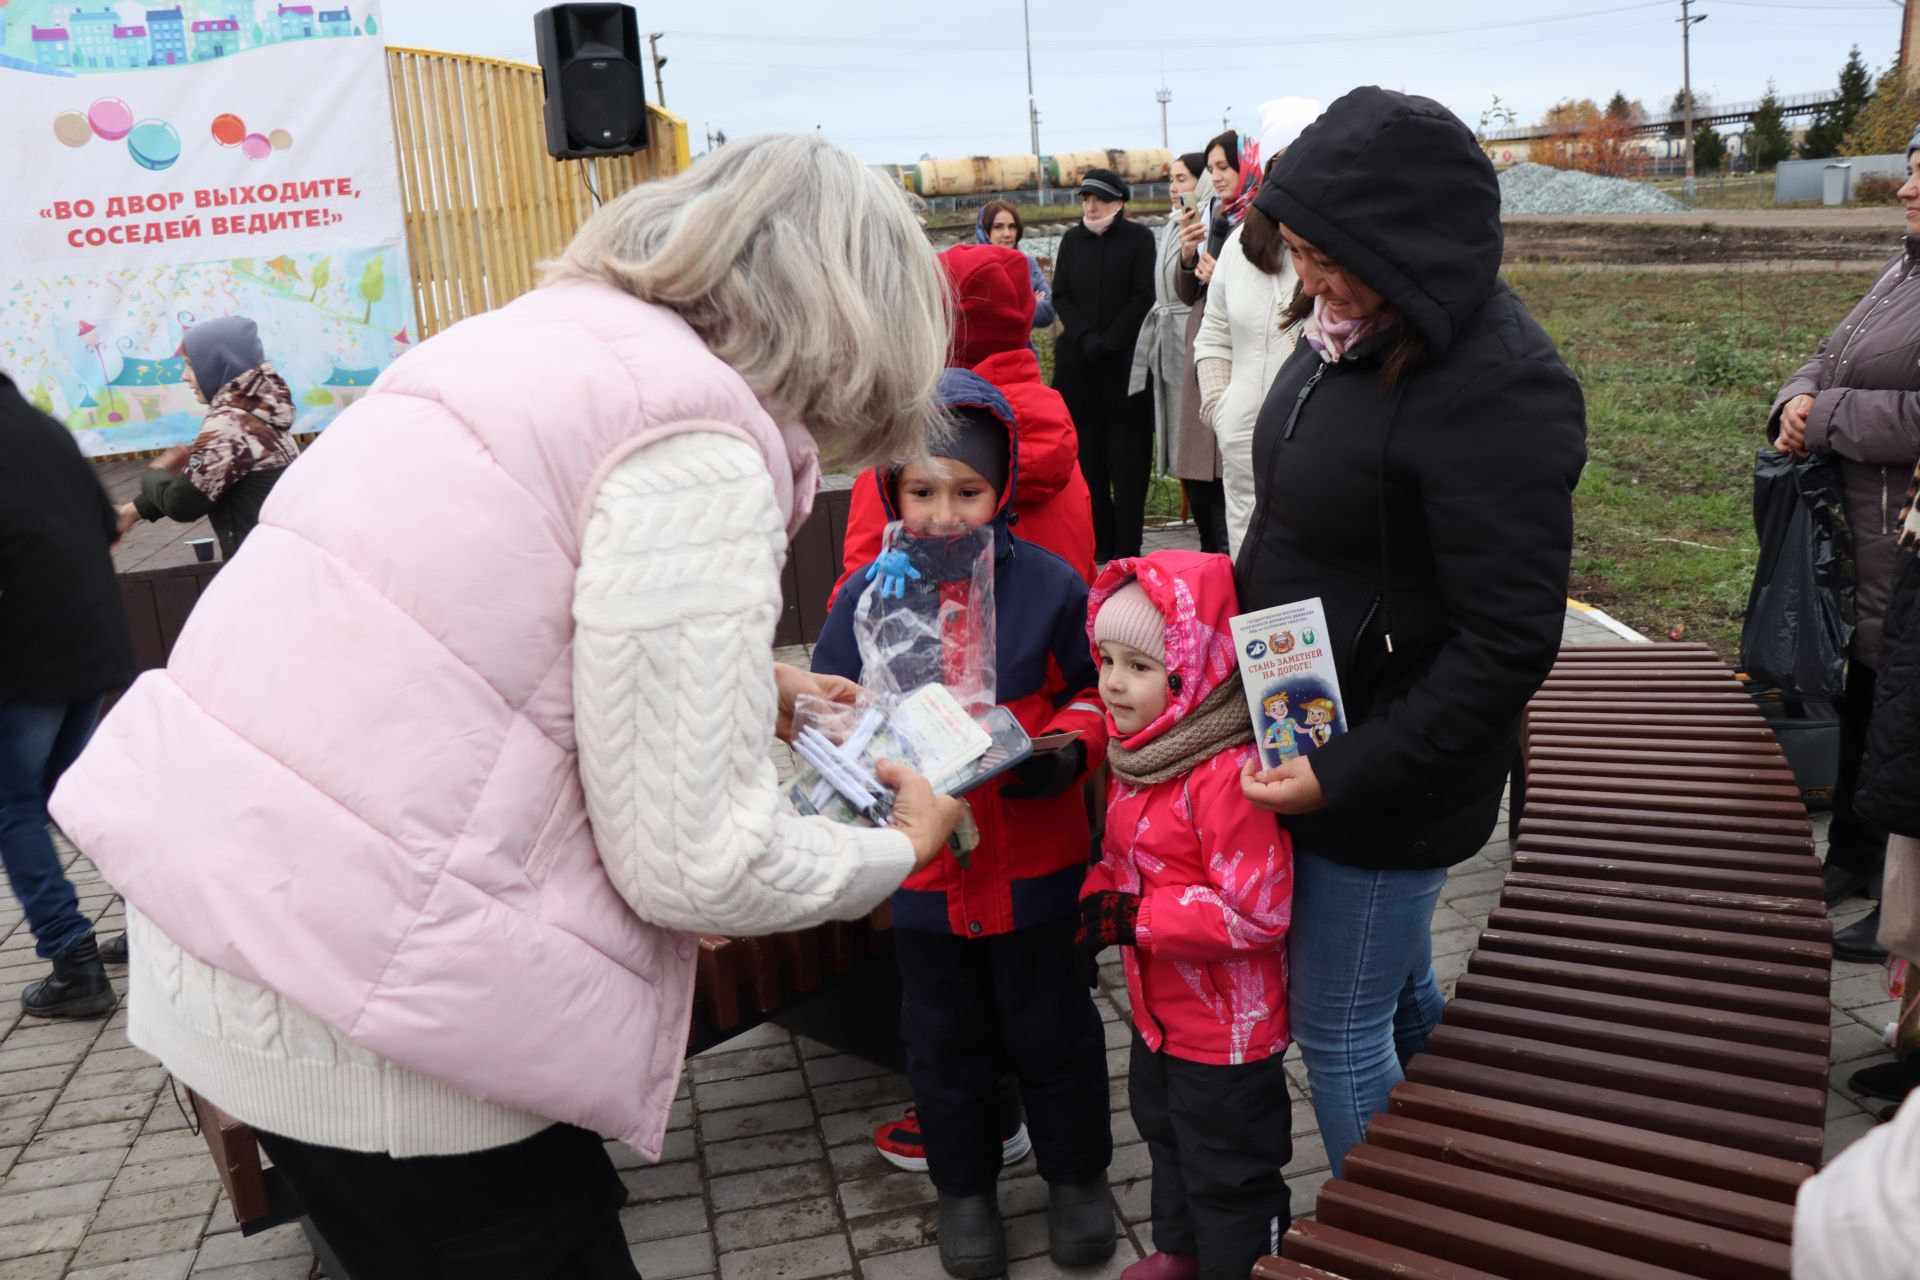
[1888,793]
[1102,291]
[63,629]
[1434,522]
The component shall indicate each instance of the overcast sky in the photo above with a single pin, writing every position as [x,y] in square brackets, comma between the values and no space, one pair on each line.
[897,79]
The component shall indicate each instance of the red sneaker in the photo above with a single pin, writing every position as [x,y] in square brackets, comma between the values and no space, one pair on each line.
[900,1144]
[1163,1266]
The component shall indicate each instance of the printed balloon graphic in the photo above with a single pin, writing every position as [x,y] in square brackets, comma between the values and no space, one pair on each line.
[111,118]
[72,128]
[255,146]
[154,144]
[281,140]
[228,129]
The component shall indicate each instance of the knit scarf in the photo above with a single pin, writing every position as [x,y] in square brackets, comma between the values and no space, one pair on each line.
[1219,722]
[1098,225]
[1334,338]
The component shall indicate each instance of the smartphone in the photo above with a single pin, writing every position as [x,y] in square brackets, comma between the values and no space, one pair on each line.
[1194,199]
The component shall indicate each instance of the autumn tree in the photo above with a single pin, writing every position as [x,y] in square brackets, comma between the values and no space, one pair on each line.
[1591,141]
[1886,121]
[1772,143]
[1831,125]
[321,274]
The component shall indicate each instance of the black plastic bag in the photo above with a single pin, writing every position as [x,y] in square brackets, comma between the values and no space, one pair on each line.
[1800,612]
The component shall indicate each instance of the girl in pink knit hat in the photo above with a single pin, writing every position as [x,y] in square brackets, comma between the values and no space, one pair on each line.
[1195,886]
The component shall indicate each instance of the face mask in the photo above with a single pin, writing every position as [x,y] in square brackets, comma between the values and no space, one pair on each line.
[1098,225]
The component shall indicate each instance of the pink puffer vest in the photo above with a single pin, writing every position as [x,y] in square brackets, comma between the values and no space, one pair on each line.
[355,783]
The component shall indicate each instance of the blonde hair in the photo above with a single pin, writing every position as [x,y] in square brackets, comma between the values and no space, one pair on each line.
[802,269]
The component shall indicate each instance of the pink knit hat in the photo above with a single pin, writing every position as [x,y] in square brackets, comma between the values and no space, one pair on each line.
[1129,617]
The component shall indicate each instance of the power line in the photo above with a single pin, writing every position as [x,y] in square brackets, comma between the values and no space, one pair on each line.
[1154,43]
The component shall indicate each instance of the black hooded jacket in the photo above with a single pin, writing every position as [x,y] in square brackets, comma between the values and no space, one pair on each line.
[63,628]
[1435,521]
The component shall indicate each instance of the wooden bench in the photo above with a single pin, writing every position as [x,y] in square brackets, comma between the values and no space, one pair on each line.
[1630,1082]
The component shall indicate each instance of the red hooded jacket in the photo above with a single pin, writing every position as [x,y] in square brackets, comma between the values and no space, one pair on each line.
[1214,874]
[993,305]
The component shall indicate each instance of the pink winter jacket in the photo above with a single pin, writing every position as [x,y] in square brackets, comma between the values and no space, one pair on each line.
[369,721]
[1207,977]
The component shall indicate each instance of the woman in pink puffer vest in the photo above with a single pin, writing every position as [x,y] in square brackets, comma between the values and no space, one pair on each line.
[476,736]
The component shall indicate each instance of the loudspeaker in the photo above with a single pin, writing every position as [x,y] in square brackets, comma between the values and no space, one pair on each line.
[596,88]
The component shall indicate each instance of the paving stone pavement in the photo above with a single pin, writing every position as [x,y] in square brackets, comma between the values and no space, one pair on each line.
[768,1172]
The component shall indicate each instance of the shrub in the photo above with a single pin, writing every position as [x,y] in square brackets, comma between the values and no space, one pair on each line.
[1877,188]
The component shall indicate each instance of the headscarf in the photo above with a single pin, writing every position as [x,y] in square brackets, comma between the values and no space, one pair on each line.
[1234,207]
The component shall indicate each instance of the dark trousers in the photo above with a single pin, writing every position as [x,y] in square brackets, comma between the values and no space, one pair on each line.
[1207,501]
[547,1208]
[1220,1137]
[972,1006]
[1116,457]
[1852,841]
[38,740]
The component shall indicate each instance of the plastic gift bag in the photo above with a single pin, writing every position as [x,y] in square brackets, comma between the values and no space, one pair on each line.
[1800,611]
[926,614]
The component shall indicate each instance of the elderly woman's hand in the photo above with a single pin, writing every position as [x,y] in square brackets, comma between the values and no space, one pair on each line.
[1291,788]
[920,814]
[1793,425]
[794,684]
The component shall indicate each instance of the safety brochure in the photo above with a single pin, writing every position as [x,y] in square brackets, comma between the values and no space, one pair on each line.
[1292,690]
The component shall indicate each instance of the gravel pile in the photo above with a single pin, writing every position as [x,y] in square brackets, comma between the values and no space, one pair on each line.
[1535,188]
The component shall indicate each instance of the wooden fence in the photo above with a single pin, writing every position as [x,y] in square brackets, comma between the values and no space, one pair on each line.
[485,203]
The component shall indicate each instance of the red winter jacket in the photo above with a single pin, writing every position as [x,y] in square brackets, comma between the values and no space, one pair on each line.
[1208,973]
[993,305]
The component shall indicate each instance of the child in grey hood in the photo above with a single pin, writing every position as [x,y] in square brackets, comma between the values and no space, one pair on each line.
[245,441]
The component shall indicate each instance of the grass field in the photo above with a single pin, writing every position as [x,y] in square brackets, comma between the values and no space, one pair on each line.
[1679,371]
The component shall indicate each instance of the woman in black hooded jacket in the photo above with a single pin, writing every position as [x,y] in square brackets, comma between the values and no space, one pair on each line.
[1414,469]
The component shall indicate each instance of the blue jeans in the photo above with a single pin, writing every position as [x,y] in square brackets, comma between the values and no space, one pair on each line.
[1360,988]
[38,740]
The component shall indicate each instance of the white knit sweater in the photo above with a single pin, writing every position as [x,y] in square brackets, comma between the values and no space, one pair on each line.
[674,702]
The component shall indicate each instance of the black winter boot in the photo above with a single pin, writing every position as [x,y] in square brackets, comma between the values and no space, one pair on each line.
[1080,1222]
[973,1239]
[77,987]
[114,949]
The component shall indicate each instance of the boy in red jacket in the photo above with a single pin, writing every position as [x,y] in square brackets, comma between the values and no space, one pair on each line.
[986,950]
[992,322]
[1195,886]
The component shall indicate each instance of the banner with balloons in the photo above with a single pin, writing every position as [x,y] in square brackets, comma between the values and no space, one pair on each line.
[166,166]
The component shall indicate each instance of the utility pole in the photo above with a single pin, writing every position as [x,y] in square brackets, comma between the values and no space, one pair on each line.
[1686,21]
[659,90]
[1033,112]
[1163,96]
[1223,119]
